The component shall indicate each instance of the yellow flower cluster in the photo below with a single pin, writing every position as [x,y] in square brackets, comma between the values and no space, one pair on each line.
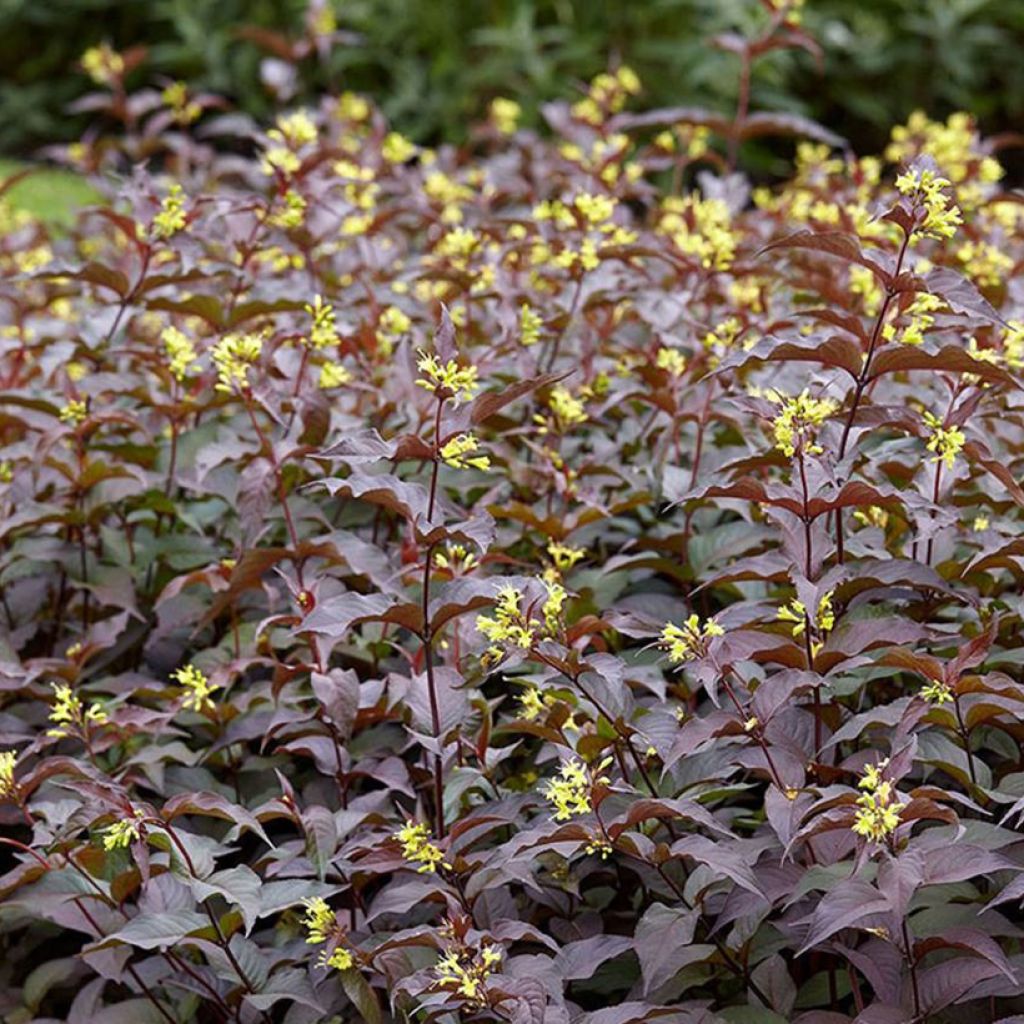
[447,192]
[293,131]
[292,213]
[864,283]
[689,139]
[457,246]
[794,427]
[823,621]
[391,324]
[123,833]
[927,191]
[466,972]
[564,557]
[322,926]
[102,64]
[68,712]
[7,762]
[181,353]
[505,114]
[456,559]
[937,692]
[507,626]
[700,228]
[921,319]
[333,375]
[183,110]
[607,95]
[319,921]
[233,355]
[458,453]
[553,605]
[567,409]
[417,848]
[197,689]
[533,703]
[448,381]
[796,613]
[688,640]
[570,790]
[171,217]
[74,412]
[530,323]
[946,442]
[985,263]
[396,148]
[879,813]
[954,146]
[671,360]
[323,331]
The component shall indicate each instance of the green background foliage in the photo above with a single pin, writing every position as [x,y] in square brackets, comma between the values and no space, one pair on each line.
[434,65]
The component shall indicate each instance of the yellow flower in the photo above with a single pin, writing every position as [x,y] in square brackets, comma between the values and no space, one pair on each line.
[570,790]
[689,640]
[568,410]
[946,442]
[319,920]
[292,214]
[532,703]
[701,228]
[74,412]
[323,332]
[552,608]
[180,351]
[927,191]
[296,128]
[508,625]
[68,712]
[333,375]
[341,959]
[565,557]
[455,453]
[505,114]
[448,381]
[171,217]
[393,322]
[417,848]
[530,324]
[397,149]
[197,689]
[123,833]
[596,209]
[795,426]
[175,96]
[233,355]
[102,64]
[455,559]
[672,360]
[466,972]
[352,107]
[879,813]
[980,523]
[7,762]
[937,693]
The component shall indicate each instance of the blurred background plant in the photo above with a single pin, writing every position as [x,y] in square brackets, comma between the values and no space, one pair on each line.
[433,66]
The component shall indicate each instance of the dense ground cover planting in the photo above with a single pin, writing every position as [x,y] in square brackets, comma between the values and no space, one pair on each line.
[545,582]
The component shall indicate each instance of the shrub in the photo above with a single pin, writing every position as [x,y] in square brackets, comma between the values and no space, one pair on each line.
[512,583]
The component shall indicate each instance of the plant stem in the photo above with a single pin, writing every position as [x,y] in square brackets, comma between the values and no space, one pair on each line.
[428,637]
[864,376]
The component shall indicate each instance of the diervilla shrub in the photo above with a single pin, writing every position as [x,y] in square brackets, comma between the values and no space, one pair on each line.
[547,582]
